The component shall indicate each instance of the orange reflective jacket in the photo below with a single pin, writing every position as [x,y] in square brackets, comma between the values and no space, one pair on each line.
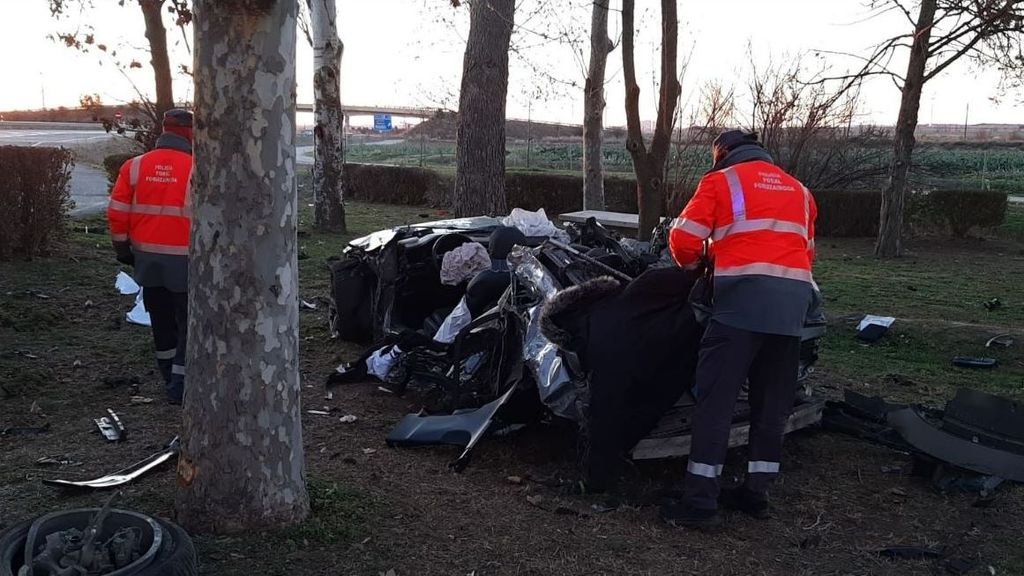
[760,220]
[149,205]
[761,224]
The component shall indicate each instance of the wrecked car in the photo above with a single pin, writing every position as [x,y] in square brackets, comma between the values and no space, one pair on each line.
[591,328]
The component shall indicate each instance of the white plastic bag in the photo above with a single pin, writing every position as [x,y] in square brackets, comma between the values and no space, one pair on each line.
[535,224]
[139,315]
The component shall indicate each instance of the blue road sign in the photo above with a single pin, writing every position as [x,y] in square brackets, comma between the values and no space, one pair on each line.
[382,122]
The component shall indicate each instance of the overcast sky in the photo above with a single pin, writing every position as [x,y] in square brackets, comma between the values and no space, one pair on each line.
[409,53]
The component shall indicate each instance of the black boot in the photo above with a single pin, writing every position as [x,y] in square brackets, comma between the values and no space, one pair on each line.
[741,499]
[679,514]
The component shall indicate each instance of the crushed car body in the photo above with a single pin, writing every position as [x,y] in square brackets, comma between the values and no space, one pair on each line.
[586,327]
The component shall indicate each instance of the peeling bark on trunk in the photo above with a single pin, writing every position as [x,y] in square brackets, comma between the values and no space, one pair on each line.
[890,227]
[480,142]
[156,34]
[328,163]
[593,108]
[650,163]
[241,465]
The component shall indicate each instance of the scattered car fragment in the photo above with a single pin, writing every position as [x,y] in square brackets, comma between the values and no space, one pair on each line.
[872,328]
[111,426]
[25,430]
[123,476]
[1000,341]
[973,362]
[976,431]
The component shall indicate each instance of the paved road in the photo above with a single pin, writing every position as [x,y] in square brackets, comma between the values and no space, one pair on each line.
[88,184]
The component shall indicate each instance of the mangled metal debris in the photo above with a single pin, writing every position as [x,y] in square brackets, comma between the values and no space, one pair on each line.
[111,426]
[125,475]
[388,289]
[976,431]
[461,429]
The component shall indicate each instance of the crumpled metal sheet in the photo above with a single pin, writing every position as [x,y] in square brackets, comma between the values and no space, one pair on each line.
[125,475]
[460,429]
[543,358]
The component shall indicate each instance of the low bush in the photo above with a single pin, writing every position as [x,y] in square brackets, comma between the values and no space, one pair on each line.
[112,164]
[35,196]
[847,213]
[960,211]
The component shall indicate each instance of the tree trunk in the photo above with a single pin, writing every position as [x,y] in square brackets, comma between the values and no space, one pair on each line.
[890,226]
[241,465]
[152,12]
[593,108]
[480,141]
[328,184]
[650,164]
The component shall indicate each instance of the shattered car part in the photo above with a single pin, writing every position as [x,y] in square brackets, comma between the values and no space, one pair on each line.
[971,362]
[464,429]
[123,476]
[944,446]
[111,426]
[987,419]
[1000,341]
[25,430]
[554,382]
[872,328]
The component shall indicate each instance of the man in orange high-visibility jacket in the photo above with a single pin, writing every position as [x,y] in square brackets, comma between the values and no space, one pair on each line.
[150,223]
[760,221]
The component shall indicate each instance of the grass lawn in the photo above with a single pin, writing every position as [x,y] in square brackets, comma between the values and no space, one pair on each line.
[63,345]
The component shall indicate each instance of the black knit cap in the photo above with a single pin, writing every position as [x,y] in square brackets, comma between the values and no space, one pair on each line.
[734,138]
[178,117]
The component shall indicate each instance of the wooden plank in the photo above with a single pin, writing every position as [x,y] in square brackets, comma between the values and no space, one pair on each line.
[677,446]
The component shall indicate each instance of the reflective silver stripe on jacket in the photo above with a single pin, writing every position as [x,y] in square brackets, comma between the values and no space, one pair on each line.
[118,205]
[762,467]
[691,227]
[759,225]
[119,237]
[705,470]
[764,269]
[166,354]
[158,210]
[160,248]
[739,204]
[133,173]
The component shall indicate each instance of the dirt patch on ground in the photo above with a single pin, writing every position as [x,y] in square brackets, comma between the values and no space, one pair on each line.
[64,348]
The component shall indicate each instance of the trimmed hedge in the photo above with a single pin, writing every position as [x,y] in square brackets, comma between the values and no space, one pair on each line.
[112,164]
[841,213]
[847,213]
[35,196]
[960,211]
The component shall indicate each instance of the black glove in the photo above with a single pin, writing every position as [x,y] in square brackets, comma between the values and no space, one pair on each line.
[124,253]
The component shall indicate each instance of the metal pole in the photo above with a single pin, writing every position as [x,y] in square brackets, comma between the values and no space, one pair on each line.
[967,114]
[529,131]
